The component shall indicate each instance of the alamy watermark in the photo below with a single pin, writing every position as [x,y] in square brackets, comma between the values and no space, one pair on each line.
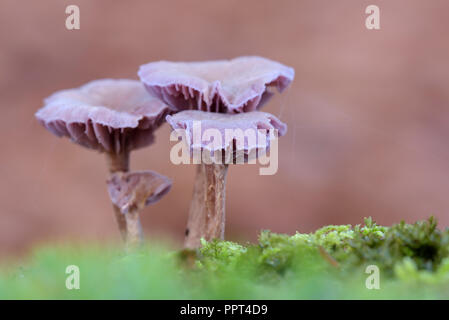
[372,22]
[72,22]
[226,146]
[73,280]
[373,280]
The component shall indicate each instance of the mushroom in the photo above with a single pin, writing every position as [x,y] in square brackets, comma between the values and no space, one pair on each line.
[113,116]
[131,192]
[213,136]
[225,86]
[232,86]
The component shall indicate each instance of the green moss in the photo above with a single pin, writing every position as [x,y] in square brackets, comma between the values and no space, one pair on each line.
[330,263]
[421,242]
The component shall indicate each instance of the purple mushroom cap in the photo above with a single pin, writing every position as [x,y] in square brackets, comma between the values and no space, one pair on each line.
[245,142]
[225,86]
[109,115]
[135,190]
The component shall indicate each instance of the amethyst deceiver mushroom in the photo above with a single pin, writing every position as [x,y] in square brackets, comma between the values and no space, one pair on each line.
[112,116]
[221,148]
[232,86]
[133,191]
[225,86]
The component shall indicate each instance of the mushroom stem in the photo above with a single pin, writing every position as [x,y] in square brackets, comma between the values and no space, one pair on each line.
[215,200]
[134,236]
[207,210]
[196,221]
[119,162]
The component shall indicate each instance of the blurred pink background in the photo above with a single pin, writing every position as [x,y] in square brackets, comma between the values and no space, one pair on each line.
[368,113]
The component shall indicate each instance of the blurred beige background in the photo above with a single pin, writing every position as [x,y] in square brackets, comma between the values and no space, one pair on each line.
[368,113]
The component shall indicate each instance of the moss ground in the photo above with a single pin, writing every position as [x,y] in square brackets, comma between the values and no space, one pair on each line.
[331,263]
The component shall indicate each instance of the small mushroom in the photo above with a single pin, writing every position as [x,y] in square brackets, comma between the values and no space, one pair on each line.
[224,86]
[207,215]
[133,191]
[113,116]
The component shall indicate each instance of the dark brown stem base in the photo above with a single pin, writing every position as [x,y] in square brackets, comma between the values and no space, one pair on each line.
[120,163]
[207,209]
